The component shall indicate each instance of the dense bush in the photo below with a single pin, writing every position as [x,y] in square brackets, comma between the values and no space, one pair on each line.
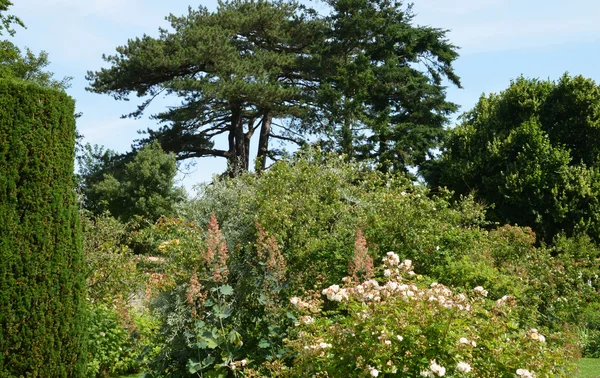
[311,216]
[118,340]
[314,205]
[141,185]
[399,326]
[110,267]
[41,282]
[532,152]
[216,310]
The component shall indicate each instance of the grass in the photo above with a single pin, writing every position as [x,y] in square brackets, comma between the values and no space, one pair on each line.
[131,376]
[589,368]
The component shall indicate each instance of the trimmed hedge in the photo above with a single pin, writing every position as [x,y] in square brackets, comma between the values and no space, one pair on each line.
[42,287]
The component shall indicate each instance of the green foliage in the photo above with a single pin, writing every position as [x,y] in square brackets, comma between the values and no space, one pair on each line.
[295,228]
[116,343]
[41,275]
[143,187]
[7,20]
[250,62]
[398,326]
[28,66]
[374,99]
[235,69]
[531,153]
[110,267]
[313,207]
[219,311]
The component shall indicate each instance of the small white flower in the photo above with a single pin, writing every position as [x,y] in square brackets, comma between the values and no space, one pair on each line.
[463,367]
[387,272]
[374,372]
[400,338]
[524,373]
[481,291]
[437,369]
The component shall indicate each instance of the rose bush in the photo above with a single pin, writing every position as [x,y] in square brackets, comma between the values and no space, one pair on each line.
[400,326]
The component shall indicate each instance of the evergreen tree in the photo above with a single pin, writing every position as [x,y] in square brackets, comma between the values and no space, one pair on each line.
[376,102]
[236,70]
[350,77]
[42,288]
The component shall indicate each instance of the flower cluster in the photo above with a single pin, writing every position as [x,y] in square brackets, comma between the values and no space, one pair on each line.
[534,335]
[387,325]
[465,341]
[434,369]
[305,305]
[234,365]
[524,373]
[372,291]
[481,291]
[463,367]
[506,300]
[335,293]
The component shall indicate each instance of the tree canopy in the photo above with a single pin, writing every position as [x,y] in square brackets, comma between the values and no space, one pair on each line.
[142,185]
[6,20]
[28,66]
[533,152]
[281,70]
[381,93]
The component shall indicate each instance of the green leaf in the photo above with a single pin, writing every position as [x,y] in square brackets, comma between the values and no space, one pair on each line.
[235,338]
[194,366]
[207,343]
[226,290]
[222,312]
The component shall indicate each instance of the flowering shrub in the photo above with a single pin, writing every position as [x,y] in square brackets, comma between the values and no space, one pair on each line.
[221,310]
[400,326]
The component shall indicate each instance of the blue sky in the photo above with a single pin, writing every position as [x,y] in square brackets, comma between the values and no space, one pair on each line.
[498,39]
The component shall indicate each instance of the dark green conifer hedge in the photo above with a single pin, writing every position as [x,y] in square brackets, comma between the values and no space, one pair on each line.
[42,289]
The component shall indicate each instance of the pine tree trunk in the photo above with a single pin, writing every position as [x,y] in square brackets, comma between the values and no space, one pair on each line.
[263,142]
[237,158]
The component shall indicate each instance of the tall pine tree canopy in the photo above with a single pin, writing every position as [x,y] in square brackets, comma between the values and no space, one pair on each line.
[381,87]
[281,71]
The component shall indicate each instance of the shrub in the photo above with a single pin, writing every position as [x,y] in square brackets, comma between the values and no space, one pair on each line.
[400,326]
[218,310]
[41,282]
[117,340]
[110,266]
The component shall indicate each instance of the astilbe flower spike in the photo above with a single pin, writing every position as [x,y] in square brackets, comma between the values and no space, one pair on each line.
[361,266]
[216,252]
[268,251]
